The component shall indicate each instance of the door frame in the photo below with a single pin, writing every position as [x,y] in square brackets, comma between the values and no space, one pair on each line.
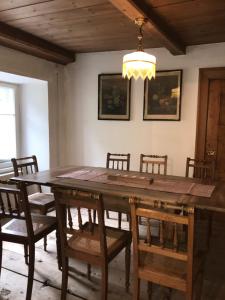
[205,75]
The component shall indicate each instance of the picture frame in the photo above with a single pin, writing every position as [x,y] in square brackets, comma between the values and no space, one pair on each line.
[162,96]
[113,97]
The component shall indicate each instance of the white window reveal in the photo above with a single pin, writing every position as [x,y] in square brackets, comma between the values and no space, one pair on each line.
[7,127]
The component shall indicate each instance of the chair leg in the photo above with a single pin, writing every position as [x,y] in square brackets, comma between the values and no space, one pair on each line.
[127,267]
[65,270]
[104,287]
[45,243]
[189,292]
[149,290]
[0,256]
[119,220]
[209,235]
[89,271]
[58,247]
[198,290]
[127,217]
[30,271]
[169,294]
[199,296]
[136,284]
[26,255]
[44,212]
[94,216]
[129,220]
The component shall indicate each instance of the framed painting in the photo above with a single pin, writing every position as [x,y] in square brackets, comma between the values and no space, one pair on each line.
[113,97]
[162,96]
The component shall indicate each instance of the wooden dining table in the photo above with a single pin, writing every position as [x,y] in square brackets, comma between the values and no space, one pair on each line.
[117,186]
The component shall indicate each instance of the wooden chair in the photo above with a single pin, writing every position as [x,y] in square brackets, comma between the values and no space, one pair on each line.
[153,164]
[202,169]
[168,259]
[118,162]
[19,226]
[205,171]
[85,240]
[39,202]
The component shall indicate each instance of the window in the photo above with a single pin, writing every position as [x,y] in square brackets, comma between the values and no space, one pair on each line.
[7,124]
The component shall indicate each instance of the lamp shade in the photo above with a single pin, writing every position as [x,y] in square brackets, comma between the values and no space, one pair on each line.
[139,64]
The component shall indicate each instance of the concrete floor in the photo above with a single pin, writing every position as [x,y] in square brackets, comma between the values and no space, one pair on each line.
[48,278]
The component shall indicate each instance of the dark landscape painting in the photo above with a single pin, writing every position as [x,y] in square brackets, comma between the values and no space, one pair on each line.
[113,97]
[162,96]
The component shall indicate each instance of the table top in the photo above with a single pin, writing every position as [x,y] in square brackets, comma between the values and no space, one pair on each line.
[49,177]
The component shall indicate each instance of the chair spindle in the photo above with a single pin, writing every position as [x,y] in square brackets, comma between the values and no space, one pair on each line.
[149,237]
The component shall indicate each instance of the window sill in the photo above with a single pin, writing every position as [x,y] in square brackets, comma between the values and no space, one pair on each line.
[6,168]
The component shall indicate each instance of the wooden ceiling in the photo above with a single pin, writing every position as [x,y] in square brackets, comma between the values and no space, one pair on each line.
[57,29]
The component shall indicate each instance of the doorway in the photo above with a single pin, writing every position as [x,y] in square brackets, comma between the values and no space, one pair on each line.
[210,138]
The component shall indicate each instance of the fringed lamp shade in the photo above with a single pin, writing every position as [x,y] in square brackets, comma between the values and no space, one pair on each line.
[139,64]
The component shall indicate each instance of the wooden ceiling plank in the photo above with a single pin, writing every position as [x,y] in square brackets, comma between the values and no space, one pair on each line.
[161,3]
[192,10]
[77,26]
[10,4]
[81,15]
[20,40]
[43,8]
[85,43]
[135,8]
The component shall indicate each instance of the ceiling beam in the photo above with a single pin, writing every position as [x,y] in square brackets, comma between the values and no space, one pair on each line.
[17,39]
[135,8]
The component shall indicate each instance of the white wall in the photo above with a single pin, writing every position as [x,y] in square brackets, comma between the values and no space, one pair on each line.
[26,65]
[34,123]
[87,140]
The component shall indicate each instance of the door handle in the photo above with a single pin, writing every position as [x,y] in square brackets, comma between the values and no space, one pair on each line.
[211,152]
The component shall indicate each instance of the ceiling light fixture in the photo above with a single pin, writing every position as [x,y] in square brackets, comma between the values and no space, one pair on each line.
[139,63]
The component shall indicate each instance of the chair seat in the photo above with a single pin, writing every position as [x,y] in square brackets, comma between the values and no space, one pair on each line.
[41,226]
[115,239]
[163,270]
[42,199]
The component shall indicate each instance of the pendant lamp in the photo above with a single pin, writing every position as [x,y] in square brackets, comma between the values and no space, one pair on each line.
[139,63]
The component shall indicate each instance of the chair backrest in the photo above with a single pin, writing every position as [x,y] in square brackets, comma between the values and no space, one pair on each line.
[154,164]
[118,161]
[75,210]
[24,166]
[202,169]
[10,200]
[171,241]
[14,204]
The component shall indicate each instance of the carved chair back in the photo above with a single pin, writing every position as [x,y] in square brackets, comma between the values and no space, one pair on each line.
[118,161]
[154,164]
[201,169]
[24,166]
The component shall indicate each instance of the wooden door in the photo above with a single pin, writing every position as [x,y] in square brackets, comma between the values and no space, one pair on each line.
[210,140]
